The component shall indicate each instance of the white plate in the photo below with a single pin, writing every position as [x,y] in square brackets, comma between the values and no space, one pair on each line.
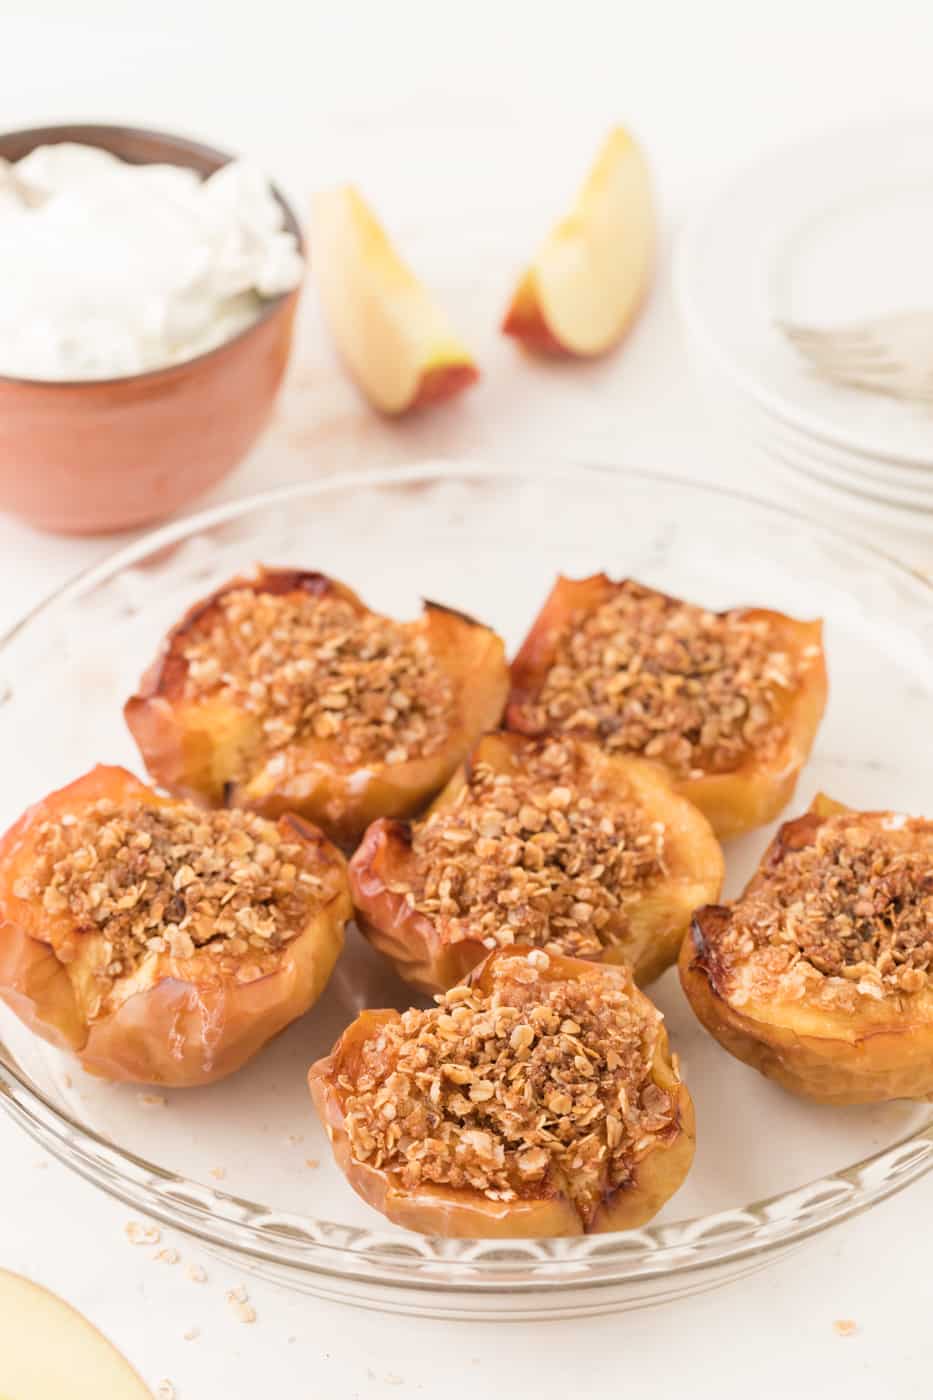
[831,231]
[778,468]
[820,462]
[833,466]
[770,1169]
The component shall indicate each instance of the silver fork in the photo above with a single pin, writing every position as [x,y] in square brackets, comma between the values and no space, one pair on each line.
[891,355]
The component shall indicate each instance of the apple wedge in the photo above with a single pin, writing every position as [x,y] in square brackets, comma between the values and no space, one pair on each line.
[393,338]
[591,274]
[50,1351]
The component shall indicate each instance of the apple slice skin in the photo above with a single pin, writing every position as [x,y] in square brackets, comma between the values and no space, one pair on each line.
[877,1053]
[212,752]
[443,382]
[613,222]
[545,1212]
[525,321]
[422,956]
[735,802]
[181,1022]
[72,1359]
[392,337]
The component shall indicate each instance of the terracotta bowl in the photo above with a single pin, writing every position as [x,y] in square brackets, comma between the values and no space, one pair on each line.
[87,456]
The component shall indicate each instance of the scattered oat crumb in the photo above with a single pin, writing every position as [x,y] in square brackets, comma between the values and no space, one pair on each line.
[294,1137]
[394,1380]
[141,1234]
[67,1080]
[218,1173]
[312,1162]
[154,1100]
[167,1256]
[238,1298]
[196,1273]
[165,1391]
[192,1334]
[845,1327]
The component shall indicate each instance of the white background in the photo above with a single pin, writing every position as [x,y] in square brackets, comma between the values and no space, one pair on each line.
[468,126]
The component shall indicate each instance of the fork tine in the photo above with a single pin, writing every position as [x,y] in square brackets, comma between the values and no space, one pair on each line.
[865,349]
[843,355]
[847,335]
[890,389]
[835,360]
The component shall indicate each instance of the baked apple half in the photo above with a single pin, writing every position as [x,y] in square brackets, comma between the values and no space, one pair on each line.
[159,942]
[819,975]
[283,692]
[729,703]
[549,843]
[538,1098]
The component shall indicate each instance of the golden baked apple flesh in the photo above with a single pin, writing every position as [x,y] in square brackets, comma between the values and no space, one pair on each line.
[283,692]
[591,274]
[548,843]
[538,1098]
[159,942]
[392,336]
[729,703]
[819,975]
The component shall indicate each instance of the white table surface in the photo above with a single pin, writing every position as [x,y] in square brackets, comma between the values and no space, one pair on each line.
[468,129]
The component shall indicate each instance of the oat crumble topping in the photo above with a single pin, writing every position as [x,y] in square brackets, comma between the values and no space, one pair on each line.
[539,1081]
[645,673]
[310,666]
[849,912]
[522,858]
[173,880]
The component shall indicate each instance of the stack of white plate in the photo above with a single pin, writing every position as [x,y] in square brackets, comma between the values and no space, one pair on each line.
[826,234]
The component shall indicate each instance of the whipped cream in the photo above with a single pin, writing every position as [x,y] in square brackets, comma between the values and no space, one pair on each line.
[110,269]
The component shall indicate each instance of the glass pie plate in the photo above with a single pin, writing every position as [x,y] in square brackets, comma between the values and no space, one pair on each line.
[770,1171]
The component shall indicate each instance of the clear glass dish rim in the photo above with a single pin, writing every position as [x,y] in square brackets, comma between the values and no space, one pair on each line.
[324,1248]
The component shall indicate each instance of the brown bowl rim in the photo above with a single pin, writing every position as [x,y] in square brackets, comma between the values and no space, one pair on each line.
[89,134]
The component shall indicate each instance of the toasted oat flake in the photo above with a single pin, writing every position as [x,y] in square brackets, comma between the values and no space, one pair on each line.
[847,913]
[312,1162]
[218,1173]
[192,1334]
[310,665]
[555,1113]
[171,881]
[196,1273]
[167,1256]
[152,1100]
[165,1390]
[646,673]
[845,1327]
[137,1233]
[518,859]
